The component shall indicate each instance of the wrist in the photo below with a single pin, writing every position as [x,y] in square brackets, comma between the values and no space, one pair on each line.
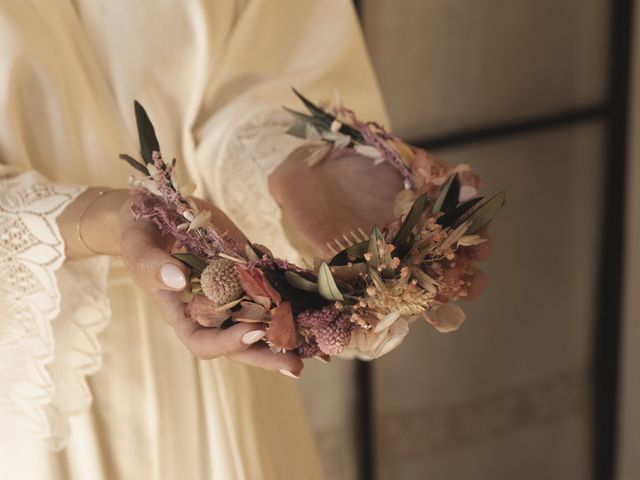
[99,227]
[90,224]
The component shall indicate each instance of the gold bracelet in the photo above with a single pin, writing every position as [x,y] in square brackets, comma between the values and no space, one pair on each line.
[101,193]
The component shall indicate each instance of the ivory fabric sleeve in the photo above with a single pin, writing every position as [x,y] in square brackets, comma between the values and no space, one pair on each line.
[50,310]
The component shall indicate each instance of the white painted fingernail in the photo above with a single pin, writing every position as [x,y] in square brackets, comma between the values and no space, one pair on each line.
[289,374]
[252,337]
[172,276]
[322,359]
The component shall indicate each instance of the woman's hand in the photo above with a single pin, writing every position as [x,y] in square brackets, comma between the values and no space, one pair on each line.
[332,198]
[109,227]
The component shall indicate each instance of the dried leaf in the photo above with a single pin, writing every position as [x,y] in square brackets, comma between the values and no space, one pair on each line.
[448,195]
[424,280]
[250,312]
[380,251]
[299,129]
[454,216]
[205,312]
[298,281]
[312,134]
[324,119]
[190,260]
[348,273]
[281,331]
[146,134]
[471,240]
[410,221]
[201,220]
[134,163]
[387,321]
[231,304]
[327,285]
[261,250]
[485,212]
[314,109]
[258,287]
[354,251]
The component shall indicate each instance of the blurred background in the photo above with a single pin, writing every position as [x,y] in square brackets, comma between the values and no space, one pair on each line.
[539,383]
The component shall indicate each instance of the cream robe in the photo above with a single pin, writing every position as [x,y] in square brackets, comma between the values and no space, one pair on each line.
[212,75]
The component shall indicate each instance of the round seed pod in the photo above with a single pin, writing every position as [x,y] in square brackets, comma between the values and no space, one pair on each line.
[219,281]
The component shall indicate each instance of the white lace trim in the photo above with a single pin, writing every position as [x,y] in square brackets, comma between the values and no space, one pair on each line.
[50,310]
[250,154]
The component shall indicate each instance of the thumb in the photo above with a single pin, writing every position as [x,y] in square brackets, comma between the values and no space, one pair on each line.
[148,262]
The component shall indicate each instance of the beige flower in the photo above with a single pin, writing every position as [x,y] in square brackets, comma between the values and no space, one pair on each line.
[385,337]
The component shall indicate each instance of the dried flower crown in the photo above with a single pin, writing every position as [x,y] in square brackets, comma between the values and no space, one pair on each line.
[361,301]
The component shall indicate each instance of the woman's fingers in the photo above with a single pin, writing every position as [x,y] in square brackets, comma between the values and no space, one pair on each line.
[144,253]
[206,342]
[240,342]
[260,355]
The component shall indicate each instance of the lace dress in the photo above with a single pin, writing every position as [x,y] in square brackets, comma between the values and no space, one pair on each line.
[93,384]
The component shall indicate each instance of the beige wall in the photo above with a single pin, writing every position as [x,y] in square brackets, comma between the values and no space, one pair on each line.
[506,397]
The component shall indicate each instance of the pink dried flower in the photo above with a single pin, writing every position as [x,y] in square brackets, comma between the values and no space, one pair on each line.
[308,349]
[328,327]
[334,338]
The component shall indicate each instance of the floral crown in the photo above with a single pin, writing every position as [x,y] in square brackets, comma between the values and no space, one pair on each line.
[361,301]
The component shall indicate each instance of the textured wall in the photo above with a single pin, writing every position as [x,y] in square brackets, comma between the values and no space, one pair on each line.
[506,396]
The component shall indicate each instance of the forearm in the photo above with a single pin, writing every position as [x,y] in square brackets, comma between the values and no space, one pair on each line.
[93,223]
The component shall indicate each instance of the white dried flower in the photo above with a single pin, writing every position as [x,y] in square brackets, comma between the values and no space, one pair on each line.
[368,151]
[201,220]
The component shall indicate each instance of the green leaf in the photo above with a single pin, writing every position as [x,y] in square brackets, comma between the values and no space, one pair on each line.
[134,163]
[326,119]
[146,134]
[485,211]
[327,285]
[190,260]
[299,282]
[448,197]
[300,300]
[452,217]
[322,125]
[377,244]
[303,117]
[410,221]
[347,255]
[453,196]
[299,130]
[313,108]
